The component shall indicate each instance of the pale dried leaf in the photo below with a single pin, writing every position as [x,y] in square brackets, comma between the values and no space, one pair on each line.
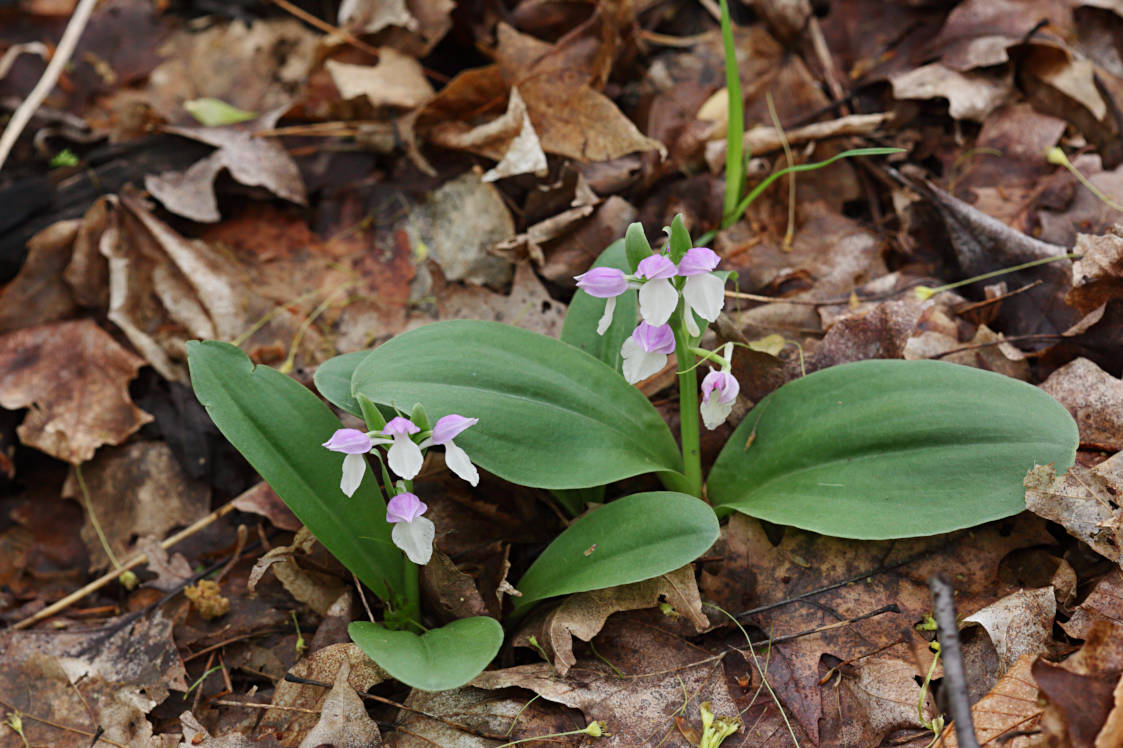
[1019,624]
[397,80]
[171,572]
[1097,277]
[1095,400]
[1083,501]
[970,95]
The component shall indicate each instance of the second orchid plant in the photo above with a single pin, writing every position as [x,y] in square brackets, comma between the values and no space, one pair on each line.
[873,449]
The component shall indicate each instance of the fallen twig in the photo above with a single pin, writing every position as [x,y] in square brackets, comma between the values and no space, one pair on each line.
[65,49]
[955,678]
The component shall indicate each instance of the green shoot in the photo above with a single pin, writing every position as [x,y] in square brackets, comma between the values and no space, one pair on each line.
[735,127]
[1056,156]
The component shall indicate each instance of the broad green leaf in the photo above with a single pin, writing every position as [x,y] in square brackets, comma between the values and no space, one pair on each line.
[333,380]
[278,426]
[550,415]
[628,540]
[636,247]
[891,449]
[580,326]
[437,660]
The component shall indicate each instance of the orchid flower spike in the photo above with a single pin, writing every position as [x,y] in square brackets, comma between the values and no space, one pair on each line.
[404,457]
[412,533]
[354,444]
[657,297]
[604,283]
[445,430]
[719,391]
[645,352]
[703,291]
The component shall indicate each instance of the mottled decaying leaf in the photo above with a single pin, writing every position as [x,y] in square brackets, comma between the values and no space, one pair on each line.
[584,614]
[1105,601]
[803,562]
[1083,501]
[38,294]
[136,489]
[971,95]
[344,721]
[75,379]
[1018,625]
[658,668]
[290,727]
[1095,400]
[109,678]
[528,304]
[1010,706]
[1097,277]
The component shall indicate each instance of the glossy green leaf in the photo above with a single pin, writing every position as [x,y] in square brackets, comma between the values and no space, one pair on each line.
[585,311]
[551,416]
[278,426]
[891,449]
[437,660]
[631,539]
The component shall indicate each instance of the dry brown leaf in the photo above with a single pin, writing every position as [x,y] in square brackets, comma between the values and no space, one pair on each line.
[1009,707]
[970,95]
[803,562]
[1018,625]
[135,490]
[1104,602]
[38,293]
[413,26]
[639,708]
[194,734]
[584,614]
[397,80]
[977,33]
[509,139]
[1083,502]
[1080,691]
[1095,400]
[458,223]
[484,711]
[109,678]
[1112,732]
[571,118]
[528,305]
[1097,277]
[74,377]
[171,572]
[344,722]
[315,589]
[252,161]
[449,592]
[291,727]
[264,501]
[274,57]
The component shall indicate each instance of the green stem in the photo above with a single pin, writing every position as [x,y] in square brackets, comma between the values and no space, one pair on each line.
[735,128]
[411,592]
[688,412]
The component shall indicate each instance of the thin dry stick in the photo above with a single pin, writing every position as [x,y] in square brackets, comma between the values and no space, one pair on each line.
[132,563]
[951,651]
[60,726]
[326,27]
[65,49]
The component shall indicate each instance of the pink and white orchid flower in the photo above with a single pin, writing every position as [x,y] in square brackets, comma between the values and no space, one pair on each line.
[412,533]
[445,430]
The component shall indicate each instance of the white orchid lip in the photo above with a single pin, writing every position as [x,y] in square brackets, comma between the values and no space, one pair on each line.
[645,351]
[404,456]
[412,533]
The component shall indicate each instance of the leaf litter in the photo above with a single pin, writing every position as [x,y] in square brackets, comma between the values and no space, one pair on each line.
[423,164]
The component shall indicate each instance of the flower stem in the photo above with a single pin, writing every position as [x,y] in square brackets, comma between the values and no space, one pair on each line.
[688,411]
[411,591]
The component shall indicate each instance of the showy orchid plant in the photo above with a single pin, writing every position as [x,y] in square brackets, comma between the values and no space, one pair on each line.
[874,449]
